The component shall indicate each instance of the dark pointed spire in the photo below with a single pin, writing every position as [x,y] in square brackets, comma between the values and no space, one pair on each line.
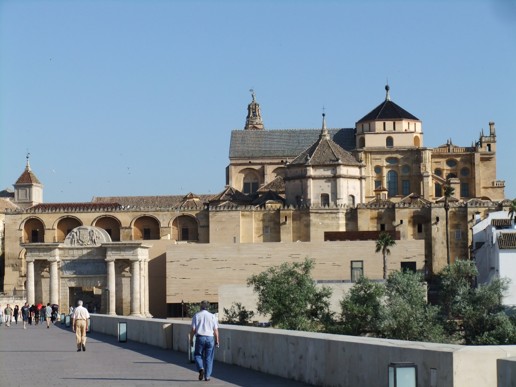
[324,130]
[387,95]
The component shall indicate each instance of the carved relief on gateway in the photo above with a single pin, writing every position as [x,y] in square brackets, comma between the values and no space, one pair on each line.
[87,236]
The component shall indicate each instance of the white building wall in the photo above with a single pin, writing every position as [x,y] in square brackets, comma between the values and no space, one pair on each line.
[491,261]
[507,263]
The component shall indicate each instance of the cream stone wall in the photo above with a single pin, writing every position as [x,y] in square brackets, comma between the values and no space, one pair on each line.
[196,271]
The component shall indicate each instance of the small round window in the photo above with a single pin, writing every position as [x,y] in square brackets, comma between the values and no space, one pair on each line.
[438,172]
[392,160]
[464,171]
[377,169]
[451,163]
[405,169]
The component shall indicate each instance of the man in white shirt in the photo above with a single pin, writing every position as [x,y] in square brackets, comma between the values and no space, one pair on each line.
[48,314]
[80,325]
[205,329]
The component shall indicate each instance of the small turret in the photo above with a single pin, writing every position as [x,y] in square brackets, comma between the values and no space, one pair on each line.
[28,190]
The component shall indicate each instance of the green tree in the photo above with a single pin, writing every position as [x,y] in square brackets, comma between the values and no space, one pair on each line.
[474,315]
[363,308]
[237,315]
[290,296]
[448,193]
[484,320]
[512,209]
[407,315]
[456,282]
[383,243]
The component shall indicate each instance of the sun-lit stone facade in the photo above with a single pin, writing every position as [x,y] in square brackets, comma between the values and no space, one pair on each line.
[289,194]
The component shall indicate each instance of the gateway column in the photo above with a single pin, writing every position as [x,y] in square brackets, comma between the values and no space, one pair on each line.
[111,285]
[135,288]
[54,281]
[31,296]
[146,285]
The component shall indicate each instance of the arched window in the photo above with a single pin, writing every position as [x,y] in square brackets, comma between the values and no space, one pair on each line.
[389,142]
[351,200]
[438,190]
[33,231]
[146,228]
[64,226]
[361,142]
[185,228]
[417,141]
[392,183]
[325,200]
[111,225]
[250,183]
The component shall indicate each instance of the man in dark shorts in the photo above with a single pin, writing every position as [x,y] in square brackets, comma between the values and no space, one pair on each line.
[25,313]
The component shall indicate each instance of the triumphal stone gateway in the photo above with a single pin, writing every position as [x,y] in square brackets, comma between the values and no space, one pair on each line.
[110,277]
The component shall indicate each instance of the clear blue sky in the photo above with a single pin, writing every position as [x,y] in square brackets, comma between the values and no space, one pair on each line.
[140,97]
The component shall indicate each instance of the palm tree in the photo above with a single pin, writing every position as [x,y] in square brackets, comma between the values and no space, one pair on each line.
[512,209]
[448,193]
[383,243]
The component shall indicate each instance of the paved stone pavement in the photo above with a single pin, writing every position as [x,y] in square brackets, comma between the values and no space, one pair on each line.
[44,357]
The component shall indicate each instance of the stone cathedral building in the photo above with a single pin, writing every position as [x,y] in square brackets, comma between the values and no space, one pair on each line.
[321,193]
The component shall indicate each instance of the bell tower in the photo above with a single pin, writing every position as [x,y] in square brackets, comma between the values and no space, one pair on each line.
[28,190]
[253,121]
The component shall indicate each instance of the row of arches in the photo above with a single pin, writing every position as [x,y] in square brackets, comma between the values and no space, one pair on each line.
[182,228]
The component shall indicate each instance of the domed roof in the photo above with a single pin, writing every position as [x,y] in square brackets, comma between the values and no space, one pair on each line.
[387,110]
[27,177]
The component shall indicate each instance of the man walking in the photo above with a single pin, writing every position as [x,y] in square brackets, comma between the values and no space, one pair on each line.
[80,325]
[48,314]
[8,312]
[205,329]
[25,312]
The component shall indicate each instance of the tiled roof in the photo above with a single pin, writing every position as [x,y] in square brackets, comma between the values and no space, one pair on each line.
[282,143]
[27,177]
[277,185]
[507,240]
[269,196]
[87,206]
[388,110]
[169,201]
[324,152]
[413,200]
[230,195]
[6,204]
[7,193]
[501,223]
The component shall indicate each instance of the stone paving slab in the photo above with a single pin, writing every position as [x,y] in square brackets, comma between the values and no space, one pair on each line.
[38,356]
